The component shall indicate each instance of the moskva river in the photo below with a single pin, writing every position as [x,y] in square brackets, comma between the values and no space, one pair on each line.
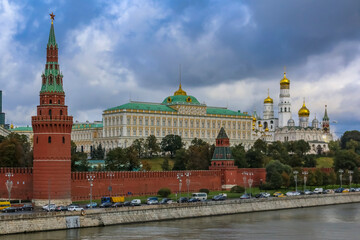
[329,222]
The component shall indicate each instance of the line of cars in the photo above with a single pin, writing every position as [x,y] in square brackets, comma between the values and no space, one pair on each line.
[53,207]
[8,208]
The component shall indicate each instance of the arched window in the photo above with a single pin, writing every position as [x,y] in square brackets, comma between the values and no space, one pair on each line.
[40,112]
[280,109]
[49,112]
[82,148]
[285,109]
[60,112]
[58,101]
[50,101]
[49,139]
[63,139]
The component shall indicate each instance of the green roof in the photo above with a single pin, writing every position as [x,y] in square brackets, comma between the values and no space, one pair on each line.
[143,106]
[181,99]
[87,125]
[52,40]
[222,153]
[224,111]
[21,129]
[222,134]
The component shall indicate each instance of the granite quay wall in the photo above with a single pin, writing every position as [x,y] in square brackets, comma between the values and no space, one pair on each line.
[10,224]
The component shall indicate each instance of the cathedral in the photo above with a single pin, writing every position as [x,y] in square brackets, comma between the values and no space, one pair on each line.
[283,128]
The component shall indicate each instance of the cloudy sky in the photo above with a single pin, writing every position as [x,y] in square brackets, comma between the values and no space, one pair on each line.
[231,52]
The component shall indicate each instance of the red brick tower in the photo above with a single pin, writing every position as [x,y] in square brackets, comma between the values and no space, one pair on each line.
[52,134]
[223,160]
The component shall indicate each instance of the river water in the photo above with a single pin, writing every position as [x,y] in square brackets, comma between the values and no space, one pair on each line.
[329,222]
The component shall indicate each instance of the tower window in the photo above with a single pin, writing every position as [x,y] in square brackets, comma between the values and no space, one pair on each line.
[50,101]
[40,112]
[63,138]
[60,112]
[285,109]
[49,139]
[58,101]
[49,112]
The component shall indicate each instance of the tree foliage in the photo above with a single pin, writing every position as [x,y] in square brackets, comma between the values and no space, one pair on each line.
[80,158]
[15,151]
[122,159]
[97,153]
[171,143]
[151,145]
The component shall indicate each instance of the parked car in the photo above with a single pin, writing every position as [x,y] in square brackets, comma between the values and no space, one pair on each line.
[47,208]
[308,192]
[328,191]
[74,208]
[318,190]
[278,194]
[220,197]
[192,200]
[61,208]
[183,200]
[346,190]
[127,203]
[339,190]
[352,190]
[106,205]
[245,196]
[166,201]
[92,205]
[152,201]
[136,202]
[27,207]
[118,204]
[11,209]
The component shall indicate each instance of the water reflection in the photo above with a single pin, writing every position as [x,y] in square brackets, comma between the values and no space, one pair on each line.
[329,222]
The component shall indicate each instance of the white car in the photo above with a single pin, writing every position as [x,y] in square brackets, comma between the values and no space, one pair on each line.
[52,207]
[136,202]
[75,208]
[318,190]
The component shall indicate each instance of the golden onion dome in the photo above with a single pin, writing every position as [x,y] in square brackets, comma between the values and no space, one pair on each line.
[266,129]
[268,99]
[180,91]
[260,125]
[254,119]
[284,83]
[304,112]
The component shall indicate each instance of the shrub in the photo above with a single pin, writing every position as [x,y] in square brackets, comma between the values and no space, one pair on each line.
[164,192]
[204,190]
[265,186]
[237,189]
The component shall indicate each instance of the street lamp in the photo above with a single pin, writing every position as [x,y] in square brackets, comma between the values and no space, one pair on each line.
[305,173]
[244,179]
[340,175]
[350,177]
[295,178]
[188,174]
[9,183]
[250,181]
[90,178]
[179,176]
[110,174]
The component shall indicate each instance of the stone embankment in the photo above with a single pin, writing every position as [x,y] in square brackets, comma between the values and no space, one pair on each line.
[42,221]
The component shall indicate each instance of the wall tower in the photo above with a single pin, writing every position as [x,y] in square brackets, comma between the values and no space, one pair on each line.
[52,134]
[326,122]
[284,101]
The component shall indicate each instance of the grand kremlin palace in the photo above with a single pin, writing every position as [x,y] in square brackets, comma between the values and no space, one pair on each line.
[180,114]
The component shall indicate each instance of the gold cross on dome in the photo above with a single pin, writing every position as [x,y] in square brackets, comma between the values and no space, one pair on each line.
[52,17]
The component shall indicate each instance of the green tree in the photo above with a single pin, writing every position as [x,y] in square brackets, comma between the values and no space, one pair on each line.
[346,159]
[116,160]
[165,165]
[349,135]
[332,178]
[319,177]
[285,179]
[15,151]
[239,155]
[276,166]
[255,159]
[152,146]
[181,159]
[78,159]
[260,146]
[138,145]
[171,143]
[146,165]
[334,146]
[198,157]
[198,142]
[132,160]
[278,151]
[97,153]
[276,180]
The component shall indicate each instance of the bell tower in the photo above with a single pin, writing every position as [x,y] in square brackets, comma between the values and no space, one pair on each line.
[52,134]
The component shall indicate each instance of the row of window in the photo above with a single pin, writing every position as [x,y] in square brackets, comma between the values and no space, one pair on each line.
[50,112]
[49,139]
